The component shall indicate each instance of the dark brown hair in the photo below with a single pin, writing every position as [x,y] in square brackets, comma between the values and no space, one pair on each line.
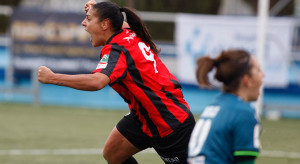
[230,66]
[111,11]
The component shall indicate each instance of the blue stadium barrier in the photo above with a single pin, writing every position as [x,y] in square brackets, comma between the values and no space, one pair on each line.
[285,100]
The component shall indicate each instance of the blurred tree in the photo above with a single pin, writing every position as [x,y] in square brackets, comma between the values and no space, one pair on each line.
[10,2]
[187,6]
[130,3]
[160,30]
[235,7]
[165,31]
[4,19]
[4,23]
[287,10]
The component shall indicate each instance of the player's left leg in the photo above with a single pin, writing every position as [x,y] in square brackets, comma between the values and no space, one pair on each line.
[173,148]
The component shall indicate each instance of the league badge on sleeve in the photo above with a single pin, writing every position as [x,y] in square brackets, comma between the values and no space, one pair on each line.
[103,62]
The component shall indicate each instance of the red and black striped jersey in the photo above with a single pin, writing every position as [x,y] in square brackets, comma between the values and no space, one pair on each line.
[144,82]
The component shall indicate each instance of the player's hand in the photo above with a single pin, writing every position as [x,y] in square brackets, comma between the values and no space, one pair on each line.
[44,74]
[88,5]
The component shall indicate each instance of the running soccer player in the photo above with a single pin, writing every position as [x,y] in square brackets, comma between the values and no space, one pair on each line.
[159,116]
[228,129]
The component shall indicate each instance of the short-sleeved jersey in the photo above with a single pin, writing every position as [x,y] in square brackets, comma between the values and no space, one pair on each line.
[143,81]
[227,128]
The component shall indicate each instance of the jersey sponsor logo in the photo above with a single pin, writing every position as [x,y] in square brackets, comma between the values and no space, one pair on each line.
[171,159]
[103,62]
[131,36]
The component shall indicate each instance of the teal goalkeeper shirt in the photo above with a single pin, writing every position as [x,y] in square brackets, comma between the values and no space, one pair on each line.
[228,127]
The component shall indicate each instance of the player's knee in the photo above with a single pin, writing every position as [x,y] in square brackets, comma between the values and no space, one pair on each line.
[106,155]
[110,157]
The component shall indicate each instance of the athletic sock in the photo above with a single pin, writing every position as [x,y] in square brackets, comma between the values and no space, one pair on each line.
[130,160]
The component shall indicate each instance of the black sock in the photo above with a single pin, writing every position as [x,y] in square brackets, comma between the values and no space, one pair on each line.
[130,160]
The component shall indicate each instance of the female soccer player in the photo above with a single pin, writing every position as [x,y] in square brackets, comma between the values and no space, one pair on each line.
[159,116]
[228,129]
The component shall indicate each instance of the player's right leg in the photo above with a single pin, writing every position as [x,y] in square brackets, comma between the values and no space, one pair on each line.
[118,149]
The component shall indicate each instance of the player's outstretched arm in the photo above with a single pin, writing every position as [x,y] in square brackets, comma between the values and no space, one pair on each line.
[87,82]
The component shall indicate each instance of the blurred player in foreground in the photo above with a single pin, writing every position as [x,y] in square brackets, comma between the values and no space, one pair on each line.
[159,116]
[228,129]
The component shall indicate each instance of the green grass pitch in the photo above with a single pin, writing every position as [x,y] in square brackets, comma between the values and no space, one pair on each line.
[24,127]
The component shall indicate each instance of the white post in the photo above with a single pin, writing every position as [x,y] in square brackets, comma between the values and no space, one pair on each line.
[297,8]
[263,14]
[9,70]
[35,86]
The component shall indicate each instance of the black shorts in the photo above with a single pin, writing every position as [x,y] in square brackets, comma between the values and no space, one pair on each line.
[172,148]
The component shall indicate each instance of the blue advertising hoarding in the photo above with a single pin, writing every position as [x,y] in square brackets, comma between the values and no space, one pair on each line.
[56,40]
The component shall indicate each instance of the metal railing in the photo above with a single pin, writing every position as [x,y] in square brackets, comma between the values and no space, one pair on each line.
[33,90]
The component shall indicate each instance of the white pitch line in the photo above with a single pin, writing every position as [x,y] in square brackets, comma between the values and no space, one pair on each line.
[278,153]
[264,153]
[60,151]
[51,152]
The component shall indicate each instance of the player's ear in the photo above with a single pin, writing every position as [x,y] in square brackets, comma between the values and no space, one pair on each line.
[246,80]
[105,24]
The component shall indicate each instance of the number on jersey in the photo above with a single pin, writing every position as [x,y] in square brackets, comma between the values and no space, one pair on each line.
[146,50]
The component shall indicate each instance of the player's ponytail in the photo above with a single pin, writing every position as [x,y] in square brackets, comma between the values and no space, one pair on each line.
[204,66]
[230,66]
[138,26]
